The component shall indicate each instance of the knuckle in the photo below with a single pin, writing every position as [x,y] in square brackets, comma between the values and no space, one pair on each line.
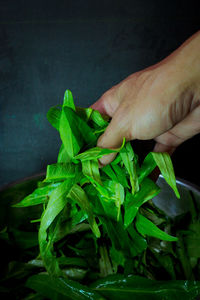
[109,103]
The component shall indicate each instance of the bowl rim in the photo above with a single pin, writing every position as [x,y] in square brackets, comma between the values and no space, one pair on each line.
[184,183]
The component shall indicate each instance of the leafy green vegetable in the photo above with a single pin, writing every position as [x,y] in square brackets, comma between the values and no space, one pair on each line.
[144,226]
[56,204]
[118,287]
[68,100]
[90,169]
[101,221]
[39,196]
[97,152]
[127,155]
[61,171]
[97,118]
[70,133]
[78,195]
[53,116]
[61,288]
[164,163]
[147,192]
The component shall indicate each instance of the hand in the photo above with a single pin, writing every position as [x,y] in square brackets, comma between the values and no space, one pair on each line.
[161,102]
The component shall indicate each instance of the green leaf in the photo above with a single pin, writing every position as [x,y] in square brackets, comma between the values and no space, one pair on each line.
[74,132]
[183,258]
[127,156]
[104,262]
[39,196]
[147,167]
[63,156]
[98,119]
[84,113]
[72,261]
[116,173]
[192,240]
[146,227]
[139,242]
[148,190]
[119,287]
[68,100]
[166,262]
[121,175]
[111,196]
[61,288]
[117,257]
[116,194]
[110,173]
[78,195]
[117,234]
[54,115]
[117,160]
[164,163]
[90,169]
[69,132]
[57,202]
[97,152]
[61,171]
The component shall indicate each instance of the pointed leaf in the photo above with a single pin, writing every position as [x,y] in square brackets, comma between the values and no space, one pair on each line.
[146,227]
[61,171]
[57,202]
[63,156]
[61,288]
[70,133]
[78,195]
[68,100]
[116,173]
[98,119]
[135,287]
[84,113]
[147,191]
[164,163]
[127,156]
[147,167]
[97,152]
[90,169]
[116,194]
[39,196]
[53,116]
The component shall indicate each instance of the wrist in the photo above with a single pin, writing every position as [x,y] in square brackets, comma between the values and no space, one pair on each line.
[186,63]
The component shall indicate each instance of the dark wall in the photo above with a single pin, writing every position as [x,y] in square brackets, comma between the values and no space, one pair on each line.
[86,46]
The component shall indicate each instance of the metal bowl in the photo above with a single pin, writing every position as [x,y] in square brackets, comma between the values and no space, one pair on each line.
[166,200]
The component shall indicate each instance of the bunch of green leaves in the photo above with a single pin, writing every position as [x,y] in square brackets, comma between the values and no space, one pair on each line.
[98,221]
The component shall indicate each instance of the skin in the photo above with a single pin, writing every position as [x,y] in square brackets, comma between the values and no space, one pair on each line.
[161,102]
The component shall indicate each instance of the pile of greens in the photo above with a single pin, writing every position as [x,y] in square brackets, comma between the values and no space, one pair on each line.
[99,234]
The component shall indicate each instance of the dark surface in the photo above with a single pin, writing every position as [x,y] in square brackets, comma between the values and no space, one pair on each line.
[86,46]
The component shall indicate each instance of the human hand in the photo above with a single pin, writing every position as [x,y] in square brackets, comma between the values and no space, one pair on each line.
[161,102]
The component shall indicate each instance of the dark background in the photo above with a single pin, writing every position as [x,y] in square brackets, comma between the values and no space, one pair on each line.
[87,47]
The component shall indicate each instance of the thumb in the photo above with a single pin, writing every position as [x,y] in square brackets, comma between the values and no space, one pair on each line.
[113,136]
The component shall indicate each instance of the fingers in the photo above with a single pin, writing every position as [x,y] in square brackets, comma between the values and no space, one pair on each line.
[114,134]
[164,148]
[108,103]
[181,132]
